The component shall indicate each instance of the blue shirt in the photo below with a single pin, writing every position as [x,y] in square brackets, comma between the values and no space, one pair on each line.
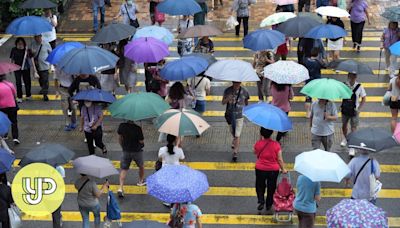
[98,3]
[314,67]
[306,192]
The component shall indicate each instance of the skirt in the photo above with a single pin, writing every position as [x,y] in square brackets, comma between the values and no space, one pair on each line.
[335,45]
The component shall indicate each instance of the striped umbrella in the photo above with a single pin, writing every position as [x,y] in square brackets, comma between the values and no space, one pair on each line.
[181,123]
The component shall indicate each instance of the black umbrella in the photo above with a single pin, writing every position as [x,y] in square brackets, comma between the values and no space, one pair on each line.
[52,154]
[210,59]
[351,66]
[371,139]
[37,4]
[113,33]
[298,26]
[144,224]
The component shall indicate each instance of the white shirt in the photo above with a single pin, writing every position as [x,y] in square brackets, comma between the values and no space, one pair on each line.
[171,159]
[360,93]
[50,36]
[131,11]
[200,91]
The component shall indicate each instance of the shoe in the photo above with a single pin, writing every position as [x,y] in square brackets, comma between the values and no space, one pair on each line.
[354,45]
[67,127]
[72,126]
[234,157]
[120,193]
[19,100]
[16,141]
[141,183]
[197,136]
[45,98]
[352,152]
[358,48]
[41,91]
[343,143]
[105,151]
[28,98]
[166,204]
[260,206]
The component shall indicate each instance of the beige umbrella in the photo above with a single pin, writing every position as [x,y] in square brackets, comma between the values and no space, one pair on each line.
[200,31]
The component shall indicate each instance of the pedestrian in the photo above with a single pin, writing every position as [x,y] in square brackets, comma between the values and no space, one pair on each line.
[394,104]
[241,7]
[56,215]
[98,5]
[88,199]
[269,162]
[6,200]
[235,98]
[335,45]
[320,3]
[204,45]
[92,125]
[306,45]
[390,35]
[304,4]
[132,142]
[261,60]
[83,82]
[171,154]
[39,51]
[19,56]
[361,168]
[128,11]
[156,83]
[201,87]
[281,96]
[127,69]
[200,17]
[177,96]
[305,204]
[351,108]
[323,115]
[358,14]
[189,213]
[152,8]
[67,106]
[8,105]
[108,78]
[51,36]
[184,44]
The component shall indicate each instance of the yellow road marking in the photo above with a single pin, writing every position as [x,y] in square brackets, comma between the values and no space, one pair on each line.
[247,58]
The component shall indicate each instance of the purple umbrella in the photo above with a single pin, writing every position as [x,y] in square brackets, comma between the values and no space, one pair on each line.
[146,50]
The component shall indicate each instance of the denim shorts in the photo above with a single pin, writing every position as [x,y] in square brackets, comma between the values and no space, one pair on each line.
[200,106]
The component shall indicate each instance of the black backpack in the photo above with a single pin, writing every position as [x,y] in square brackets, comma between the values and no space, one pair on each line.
[349,105]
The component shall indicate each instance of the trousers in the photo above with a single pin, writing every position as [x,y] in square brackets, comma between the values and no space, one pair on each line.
[266,179]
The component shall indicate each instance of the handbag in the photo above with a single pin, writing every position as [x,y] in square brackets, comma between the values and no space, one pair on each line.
[14,215]
[158,16]
[375,185]
[132,22]
[386,98]
[230,117]
[158,165]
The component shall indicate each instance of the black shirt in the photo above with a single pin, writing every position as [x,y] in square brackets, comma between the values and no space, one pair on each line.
[17,55]
[339,23]
[5,201]
[131,135]
[91,80]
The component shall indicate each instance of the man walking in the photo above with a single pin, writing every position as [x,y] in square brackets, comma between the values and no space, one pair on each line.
[323,115]
[96,6]
[39,51]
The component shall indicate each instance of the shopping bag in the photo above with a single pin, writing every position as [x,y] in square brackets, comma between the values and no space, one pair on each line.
[158,16]
[113,210]
[231,23]
[375,185]
[14,214]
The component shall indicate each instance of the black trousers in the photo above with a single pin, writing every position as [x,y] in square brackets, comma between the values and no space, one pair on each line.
[245,25]
[44,81]
[24,75]
[12,115]
[56,217]
[266,179]
[357,32]
[5,224]
[305,4]
[97,137]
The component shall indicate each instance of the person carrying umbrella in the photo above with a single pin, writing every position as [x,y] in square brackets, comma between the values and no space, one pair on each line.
[67,106]
[201,87]
[19,56]
[127,69]
[323,115]
[390,35]
[358,14]
[281,96]
[6,200]
[185,44]
[335,45]
[261,60]
[108,78]
[128,11]
[83,82]
[186,214]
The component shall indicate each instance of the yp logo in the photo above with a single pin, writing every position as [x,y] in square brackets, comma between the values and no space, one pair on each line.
[38,189]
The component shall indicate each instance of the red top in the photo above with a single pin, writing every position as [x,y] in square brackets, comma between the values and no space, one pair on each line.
[267,155]
[283,49]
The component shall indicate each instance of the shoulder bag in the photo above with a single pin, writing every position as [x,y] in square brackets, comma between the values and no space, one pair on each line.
[230,116]
[359,171]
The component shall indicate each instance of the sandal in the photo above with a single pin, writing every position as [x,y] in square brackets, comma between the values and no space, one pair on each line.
[105,151]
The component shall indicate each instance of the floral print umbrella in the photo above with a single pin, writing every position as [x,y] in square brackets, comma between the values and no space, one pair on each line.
[276,72]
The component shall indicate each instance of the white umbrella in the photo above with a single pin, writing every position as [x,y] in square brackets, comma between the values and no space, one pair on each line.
[95,166]
[232,70]
[332,11]
[286,72]
[277,18]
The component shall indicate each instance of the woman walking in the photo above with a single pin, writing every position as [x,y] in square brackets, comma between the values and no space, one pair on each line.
[241,7]
[281,96]
[8,105]
[261,60]
[394,87]
[335,45]
[390,35]
[184,44]
[358,15]
[171,154]
[127,69]
[19,56]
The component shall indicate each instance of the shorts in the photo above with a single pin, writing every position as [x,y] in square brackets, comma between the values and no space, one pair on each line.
[326,141]
[127,158]
[354,120]
[335,45]
[394,104]
[238,128]
[200,106]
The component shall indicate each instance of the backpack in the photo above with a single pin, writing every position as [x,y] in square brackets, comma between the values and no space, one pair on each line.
[349,105]
[243,10]
[177,220]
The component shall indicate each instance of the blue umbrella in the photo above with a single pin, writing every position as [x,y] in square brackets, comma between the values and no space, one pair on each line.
[184,68]
[395,48]
[6,160]
[326,31]
[263,39]
[5,124]
[29,26]
[56,55]
[268,116]
[157,32]
[95,95]
[177,184]
[87,60]
[179,7]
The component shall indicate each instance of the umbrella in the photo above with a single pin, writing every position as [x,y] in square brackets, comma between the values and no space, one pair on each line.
[332,11]
[6,160]
[319,165]
[297,26]
[312,16]
[94,95]
[326,88]
[29,26]
[268,116]
[7,67]
[210,58]
[56,55]
[298,73]
[200,31]
[285,2]
[52,154]
[146,50]
[183,122]
[395,48]
[138,106]
[351,66]
[391,16]
[396,134]
[277,18]
[232,70]
[356,213]
[37,4]
[113,32]
[263,39]
[144,224]
[95,166]
[326,31]
[5,123]
[87,60]
[177,184]
[157,32]
[371,139]
[184,68]
[179,7]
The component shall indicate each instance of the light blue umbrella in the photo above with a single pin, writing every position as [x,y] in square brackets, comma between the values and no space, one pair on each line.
[268,116]
[87,60]
[29,26]
[263,39]
[395,48]
[6,160]
[157,32]
[179,7]
[319,165]
[59,52]
[184,68]
[5,124]
[326,31]
[95,95]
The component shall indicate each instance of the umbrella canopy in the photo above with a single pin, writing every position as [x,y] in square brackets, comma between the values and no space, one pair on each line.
[351,66]
[56,55]
[5,123]
[146,50]
[113,33]
[396,134]
[179,7]
[95,166]
[332,11]
[87,60]
[6,160]
[268,116]
[52,154]
[371,139]
[263,39]
[391,16]
[356,213]
[312,16]
[200,31]
[181,123]
[277,18]
[37,4]
[210,58]
[144,224]
[138,106]
[94,95]
[157,32]
[184,68]
[298,73]
[29,26]
[297,26]
[7,67]
[177,184]
[326,31]
[326,88]
[395,48]
[319,165]
[232,70]
[285,2]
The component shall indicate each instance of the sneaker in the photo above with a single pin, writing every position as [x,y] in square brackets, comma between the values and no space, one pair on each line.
[352,152]
[141,183]
[19,100]
[45,98]
[28,98]
[166,204]
[120,193]
[16,141]
[72,126]
[67,127]
[260,206]
[343,143]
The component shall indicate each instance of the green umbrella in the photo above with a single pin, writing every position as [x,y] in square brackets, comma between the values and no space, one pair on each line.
[277,18]
[326,88]
[138,106]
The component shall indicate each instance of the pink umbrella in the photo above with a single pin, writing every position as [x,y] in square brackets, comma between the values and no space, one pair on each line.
[285,2]
[6,67]
[396,134]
